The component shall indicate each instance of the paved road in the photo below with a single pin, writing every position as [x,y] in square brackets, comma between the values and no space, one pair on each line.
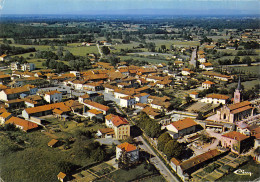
[157,161]
[193,57]
[100,52]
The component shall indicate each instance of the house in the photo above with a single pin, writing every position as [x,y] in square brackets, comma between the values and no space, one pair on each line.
[13,93]
[131,151]
[207,84]
[119,124]
[45,110]
[32,100]
[5,78]
[194,95]
[236,141]
[53,143]
[181,127]
[3,57]
[93,86]
[4,117]
[243,128]
[151,112]
[215,99]
[186,168]
[22,124]
[28,67]
[127,101]
[186,72]
[217,76]
[257,141]
[15,66]
[105,133]
[95,105]
[206,66]
[90,96]
[94,113]
[62,177]
[53,96]
[160,105]
[235,112]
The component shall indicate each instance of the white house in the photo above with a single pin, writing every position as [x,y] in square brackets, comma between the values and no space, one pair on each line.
[53,96]
[186,71]
[28,67]
[127,101]
[215,99]
[207,84]
[131,151]
[94,112]
[206,66]
[142,97]
[194,95]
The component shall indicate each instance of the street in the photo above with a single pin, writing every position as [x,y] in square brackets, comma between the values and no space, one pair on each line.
[157,161]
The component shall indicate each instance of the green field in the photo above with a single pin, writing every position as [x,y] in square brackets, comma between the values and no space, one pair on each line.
[153,61]
[34,161]
[81,50]
[248,69]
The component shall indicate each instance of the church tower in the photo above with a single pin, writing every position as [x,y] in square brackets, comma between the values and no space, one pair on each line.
[237,93]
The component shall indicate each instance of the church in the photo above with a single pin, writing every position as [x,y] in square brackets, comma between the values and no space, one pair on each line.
[236,111]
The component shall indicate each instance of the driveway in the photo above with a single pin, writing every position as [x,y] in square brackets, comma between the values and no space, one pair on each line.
[108,141]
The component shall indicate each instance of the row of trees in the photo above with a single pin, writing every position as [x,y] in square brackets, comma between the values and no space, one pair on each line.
[170,147]
[150,127]
[12,50]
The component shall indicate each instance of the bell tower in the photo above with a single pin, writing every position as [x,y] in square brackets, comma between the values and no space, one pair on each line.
[237,93]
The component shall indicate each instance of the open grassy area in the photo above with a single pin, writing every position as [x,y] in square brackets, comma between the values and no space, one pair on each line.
[34,160]
[251,166]
[248,69]
[153,61]
[247,85]
[78,50]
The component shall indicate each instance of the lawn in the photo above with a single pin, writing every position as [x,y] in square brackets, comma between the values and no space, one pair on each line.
[251,166]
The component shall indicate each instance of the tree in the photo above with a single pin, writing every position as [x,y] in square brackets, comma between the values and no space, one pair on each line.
[99,154]
[163,47]
[162,140]
[188,99]
[172,149]
[247,60]
[124,160]
[236,60]
[105,50]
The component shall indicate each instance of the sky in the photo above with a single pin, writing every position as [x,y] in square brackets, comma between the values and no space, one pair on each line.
[131,7]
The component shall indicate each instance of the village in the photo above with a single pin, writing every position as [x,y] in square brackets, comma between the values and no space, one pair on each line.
[183,119]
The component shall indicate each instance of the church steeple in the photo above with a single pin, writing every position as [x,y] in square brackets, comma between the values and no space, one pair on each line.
[239,84]
[237,93]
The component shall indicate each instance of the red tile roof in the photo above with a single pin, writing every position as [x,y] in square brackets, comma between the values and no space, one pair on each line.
[184,123]
[127,147]
[118,121]
[27,125]
[235,136]
[96,105]
[239,105]
[208,82]
[217,96]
